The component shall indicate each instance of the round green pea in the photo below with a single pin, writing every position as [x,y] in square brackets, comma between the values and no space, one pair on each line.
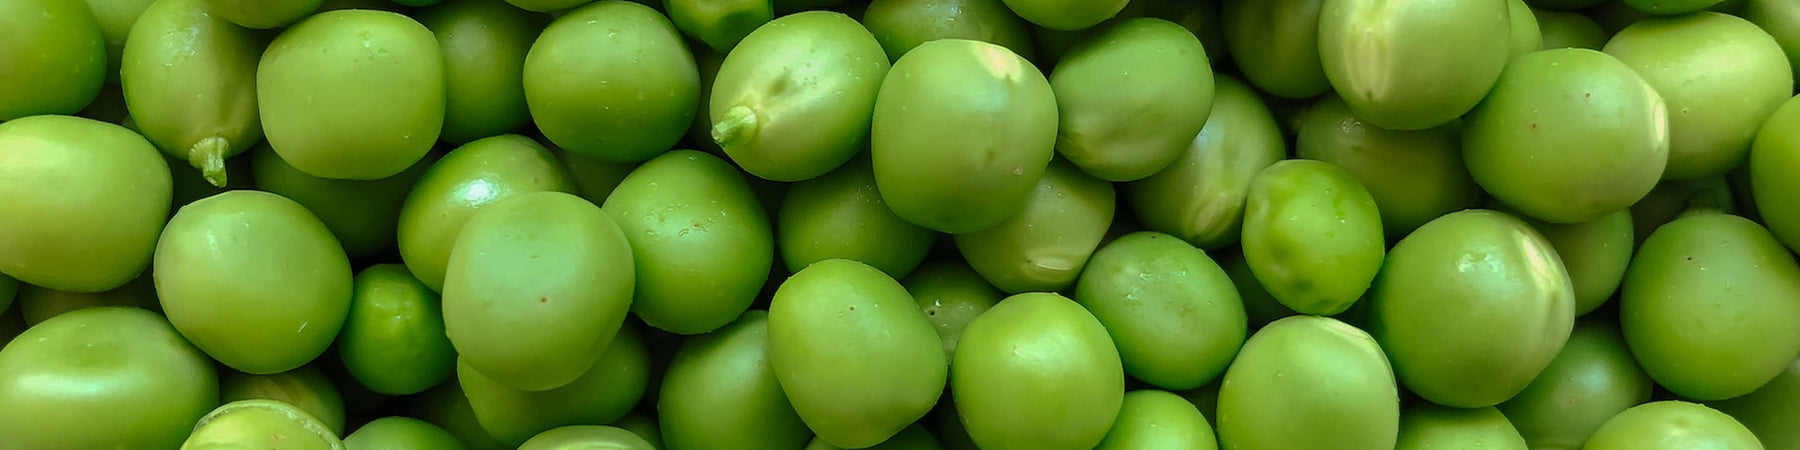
[1568,135]
[1670,7]
[720,392]
[1771,410]
[1413,65]
[1774,159]
[353,94]
[794,99]
[393,341]
[364,215]
[613,80]
[1781,19]
[484,44]
[1309,382]
[468,178]
[1714,108]
[37,304]
[261,423]
[1276,45]
[81,202]
[1044,246]
[189,80]
[1595,253]
[1593,378]
[1471,307]
[54,52]
[913,437]
[1312,235]
[1173,312]
[1037,371]
[1131,97]
[306,388]
[1525,33]
[62,382]
[841,215]
[1066,15]
[1561,29]
[1708,306]
[1414,176]
[901,25]
[603,394]
[264,14]
[548,6]
[1671,425]
[1427,427]
[587,437]
[952,294]
[254,280]
[962,132]
[1152,419]
[116,18]
[1200,197]
[719,24]
[396,432]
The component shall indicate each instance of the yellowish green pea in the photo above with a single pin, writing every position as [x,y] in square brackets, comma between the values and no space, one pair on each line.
[305,388]
[1200,197]
[1044,247]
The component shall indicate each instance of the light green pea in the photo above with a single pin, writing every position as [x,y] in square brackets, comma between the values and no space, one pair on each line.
[1044,247]
[189,80]
[1312,236]
[1200,197]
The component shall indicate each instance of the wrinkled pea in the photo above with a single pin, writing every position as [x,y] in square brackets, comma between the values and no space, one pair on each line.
[189,80]
[627,59]
[1594,367]
[841,215]
[1414,176]
[901,25]
[720,392]
[1312,236]
[1130,97]
[1200,197]
[1044,246]
[1173,312]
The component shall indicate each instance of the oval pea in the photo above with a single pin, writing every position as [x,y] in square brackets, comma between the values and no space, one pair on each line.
[468,178]
[1130,97]
[603,394]
[1200,197]
[1044,247]
[720,392]
[952,294]
[1595,367]
[400,432]
[1066,15]
[1413,65]
[37,304]
[1770,411]
[364,215]
[1152,419]
[1561,29]
[55,64]
[305,388]
[1309,382]
[261,423]
[1312,236]
[1781,20]
[901,25]
[1413,176]
[841,215]
[1595,253]
[393,340]
[580,437]
[1276,45]
[189,80]
[1670,425]
[484,45]
[1773,157]
[1259,306]
[1428,426]
[1173,312]
[1023,347]
[264,14]
[719,24]
[624,57]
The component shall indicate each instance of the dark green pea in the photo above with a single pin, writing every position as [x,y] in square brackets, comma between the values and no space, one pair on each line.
[1131,96]
[587,437]
[901,25]
[1044,246]
[1773,160]
[306,388]
[1259,306]
[116,18]
[1413,65]
[484,44]
[1426,426]
[1066,15]
[54,52]
[261,423]
[1567,29]
[190,83]
[1771,410]
[1591,379]
[1414,176]
[548,6]
[952,294]
[9,288]
[1563,5]
[1276,44]
[1152,419]
[643,425]
[264,14]
[64,382]
[1594,252]
[719,24]
[720,392]
[605,393]
[447,407]
[1200,197]
[1781,19]
[947,427]
[1173,312]
[393,341]
[1037,371]
[594,178]
[474,175]
[913,437]
[1525,34]
[1312,235]
[397,432]
[841,215]
[1205,398]
[364,215]
[1309,382]
[38,304]
[612,80]
[1672,425]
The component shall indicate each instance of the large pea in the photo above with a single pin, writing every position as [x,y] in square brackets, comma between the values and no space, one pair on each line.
[603,394]
[1309,382]
[306,388]
[1066,15]
[1559,29]
[841,215]
[1152,419]
[261,423]
[612,80]
[1592,378]
[1044,247]
[474,175]
[396,432]
[190,83]
[37,304]
[795,98]
[1568,135]
[1781,19]
[1473,282]
[1525,35]
[1771,410]
[1200,197]
[264,14]
[1413,65]
[254,280]
[1715,109]
[1173,312]
[586,437]
[1774,159]
[62,382]
[393,341]
[54,52]
[548,271]
[962,132]
[363,214]
[1595,253]
[1427,427]
[1312,236]
[952,294]
[1414,176]
[484,44]
[1672,425]
[719,24]
[1709,304]
[1037,372]
[901,25]
[720,392]
[81,202]
[1276,45]
[1131,96]
[854,353]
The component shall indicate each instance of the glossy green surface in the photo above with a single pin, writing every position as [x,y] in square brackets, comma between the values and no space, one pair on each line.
[1312,236]
[1672,424]
[1309,382]
[55,55]
[623,56]
[1773,158]
[1172,311]
[396,432]
[1592,379]
[1037,371]
[261,424]
[393,341]
[1413,65]
[189,81]
[1130,98]
[901,25]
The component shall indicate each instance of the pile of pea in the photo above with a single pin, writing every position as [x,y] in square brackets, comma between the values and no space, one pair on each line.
[899,224]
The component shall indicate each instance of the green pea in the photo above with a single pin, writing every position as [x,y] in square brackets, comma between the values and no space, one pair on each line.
[64,381]
[1715,109]
[962,132]
[885,367]
[1309,382]
[699,133]
[1773,161]
[719,24]
[793,100]
[1473,282]
[1670,7]
[1037,371]
[1567,29]
[952,294]
[720,392]
[947,427]
[1708,304]
[1259,306]
[9,288]
[603,394]
[1152,419]
[393,341]
[1312,235]
[1615,15]
[1525,33]
[1414,176]
[484,44]
[38,304]
[261,423]
[264,14]
[81,202]
[548,6]
[1200,17]
[1564,5]
[1200,197]
[1131,97]
[841,215]
[363,214]
[584,437]
[1770,411]
[1066,15]
[1427,426]
[612,80]
[396,432]
[190,83]
[901,25]
[1044,247]
[474,175]
[1568,135]
[1413,65]
[1276,45]
[643,425]
[116,18]
[306,388]
[1592,378]
[447,407]
[55,55]
[1595,254]
[1173,312]
[1671,425]
[1781,20]
[594,178]
[190,185]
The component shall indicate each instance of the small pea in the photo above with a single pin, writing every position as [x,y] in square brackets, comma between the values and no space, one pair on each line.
[484,44]
[1152,419]
[393,341]
[1066,15]
[1131,96]
[1595,367]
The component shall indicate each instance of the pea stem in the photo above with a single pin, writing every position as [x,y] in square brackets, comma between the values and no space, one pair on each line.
[737,128]
[208,155]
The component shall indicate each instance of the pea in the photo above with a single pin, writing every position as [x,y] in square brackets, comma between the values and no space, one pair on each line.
[1564,5]
[627,60]
[1473,282]
[484,44]
[962,132]
[841,215]
[1037,371]
[1773,159]
[1715,109]
[1312,236]
[793,100]
[854,353]
[401,432]
[1669,425]
[699,133]
[721,392]
[581,437]
[1769,411]
[83,201]
[261,424]
[115,18]
[1591,379]
[1526,36]
[642,425]
[901,25]
[1670,7]
[603,394]
[719,24]
[1152,419]
[1199,17]
[1413,176]
[1200,197]
[1428,426]
[62,382]
[1566,29]
[1595,253]
[1276,45]
[363,214]
[1131,96]
[474,175]
[1413,65]
[1730,289]
[305,388]
[1066,15]
[1309,382]
[447,407]
[190,84]
[1781,20]
[1568,135]
[1045,246]
[548,6]
[1259,306]
[952,294]
[38,304]
[913,437]
[9,288]
[393,340]
[55,55]
[1173,312]
[264,14]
